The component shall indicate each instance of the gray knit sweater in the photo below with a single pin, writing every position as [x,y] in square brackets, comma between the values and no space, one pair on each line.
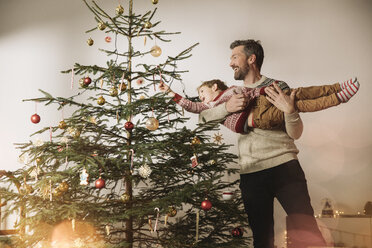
[262,149]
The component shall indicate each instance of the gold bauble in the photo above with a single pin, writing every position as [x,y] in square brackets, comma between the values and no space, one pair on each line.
[62,124]
[142,97]
[77,133]
[195,141]
[81,83]
[57,193]
[90,42]
[119,10]
[125,197]
[148,24]
[113,91]
[63,187]
[156,51]
[172,211]
[101,100]
[101,26]
[123,87]
[154,1]
[152,124]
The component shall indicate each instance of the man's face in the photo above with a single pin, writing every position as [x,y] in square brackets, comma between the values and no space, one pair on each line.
[239,63]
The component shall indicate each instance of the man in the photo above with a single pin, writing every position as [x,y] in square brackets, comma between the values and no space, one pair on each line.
[268,158]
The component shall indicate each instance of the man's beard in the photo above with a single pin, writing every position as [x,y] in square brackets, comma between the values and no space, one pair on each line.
[241,73]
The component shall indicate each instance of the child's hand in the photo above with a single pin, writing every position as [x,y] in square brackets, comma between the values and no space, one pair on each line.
[165,88]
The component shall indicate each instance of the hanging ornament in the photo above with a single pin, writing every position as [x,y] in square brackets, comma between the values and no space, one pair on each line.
[194,162]
[172,211]
[142,97]
[125,197]
[150,225]
[195,141]
[61,189]
[237,232]
[123,86]
[227,195]
[81,83]
[157,219]
[119,10]
[197,225]
[140,81]
[107,227]
[84,177]
[144,171]
[154,1]
[152,124]
[101,26]
[90,42]
[218,138]
[128,126]
[155,51]
[101,100]
[87,81]
[100,183]
[108,39]
[148,25]
[37,142]
[212,162]
[62,124]
[113,91]
[206,204]
[74,132]
[73,225]
[35,118]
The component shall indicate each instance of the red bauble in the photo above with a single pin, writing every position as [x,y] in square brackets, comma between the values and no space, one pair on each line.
[100,183]
[237,232]
[108,39]
[87,81]
[128,126]
[35,118]
[206,205]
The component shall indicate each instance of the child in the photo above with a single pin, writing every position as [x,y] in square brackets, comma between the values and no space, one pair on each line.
[265,115]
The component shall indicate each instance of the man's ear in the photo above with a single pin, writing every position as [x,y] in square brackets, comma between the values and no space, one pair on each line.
[214,87]
[251,59]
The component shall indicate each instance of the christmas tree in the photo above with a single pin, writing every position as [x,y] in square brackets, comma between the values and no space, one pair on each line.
[124,170]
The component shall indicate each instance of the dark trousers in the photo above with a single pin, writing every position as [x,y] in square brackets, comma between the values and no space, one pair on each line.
[287,183]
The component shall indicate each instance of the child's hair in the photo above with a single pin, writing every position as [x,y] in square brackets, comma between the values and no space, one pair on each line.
[220,85]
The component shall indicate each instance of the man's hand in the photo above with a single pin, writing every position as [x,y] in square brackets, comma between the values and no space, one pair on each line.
[236,103]
[280,100]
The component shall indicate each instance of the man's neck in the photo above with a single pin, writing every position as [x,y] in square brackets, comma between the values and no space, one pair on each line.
[252,77]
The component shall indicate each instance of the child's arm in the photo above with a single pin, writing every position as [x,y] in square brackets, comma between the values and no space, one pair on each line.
[193,107]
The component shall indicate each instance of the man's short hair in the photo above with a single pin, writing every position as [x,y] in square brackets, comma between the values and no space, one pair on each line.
[251,47]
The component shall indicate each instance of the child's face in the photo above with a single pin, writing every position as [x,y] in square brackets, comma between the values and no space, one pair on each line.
[208,94]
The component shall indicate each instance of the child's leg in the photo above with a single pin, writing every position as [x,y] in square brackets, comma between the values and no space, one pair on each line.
[313,92]
[266,115]
[348,91]
[348,83]
[313,105]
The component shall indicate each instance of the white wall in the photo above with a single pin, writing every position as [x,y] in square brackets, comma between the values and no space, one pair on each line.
[306,43]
